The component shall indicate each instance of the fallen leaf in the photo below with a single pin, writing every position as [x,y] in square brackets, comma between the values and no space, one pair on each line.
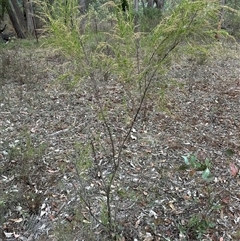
[8,235]
[153,214]
[229,152]
[121,239]
[137,223]
[221,214]
[233,169]
[16,220]
[192,172]
[51,217]
[172,206]
[226,200]
[52,171]
[16,235]
[145,193]
[148,237]
[86,221]
[133,137]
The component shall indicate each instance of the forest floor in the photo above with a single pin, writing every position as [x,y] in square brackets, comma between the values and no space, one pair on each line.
[48,132]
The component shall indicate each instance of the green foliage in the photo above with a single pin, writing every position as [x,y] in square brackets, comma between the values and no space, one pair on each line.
[76,225]
[3,4]
[110,44]
[83,160]
[229,152]
[192,163]
[188,22]
[16,63]
[114,49]
[196,227]
[232,19]
[149,18]
[104,214]
[25,151]
[23,156]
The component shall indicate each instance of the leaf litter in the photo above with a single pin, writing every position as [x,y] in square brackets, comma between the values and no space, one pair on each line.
[154,200]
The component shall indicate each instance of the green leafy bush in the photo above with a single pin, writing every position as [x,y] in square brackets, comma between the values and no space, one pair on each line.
[115,47]
[192,163]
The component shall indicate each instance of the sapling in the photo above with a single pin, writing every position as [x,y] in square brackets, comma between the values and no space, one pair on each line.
[135,60]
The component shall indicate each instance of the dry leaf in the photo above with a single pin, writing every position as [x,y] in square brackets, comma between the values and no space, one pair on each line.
[192,172]
[221,214]
[137,223]
[51,217]
[148,237]
[16,235]
[86,221]
[226,200]
[52,171]
[16,220]
[233,169]
[121,239]
[153,214]
[8,235]
[133,137]
[171,206]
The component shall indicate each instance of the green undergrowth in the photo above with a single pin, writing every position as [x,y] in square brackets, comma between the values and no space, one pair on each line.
[118,47]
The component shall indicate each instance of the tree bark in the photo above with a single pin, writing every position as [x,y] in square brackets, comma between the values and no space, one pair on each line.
[82,6]
[135,5]
[159,3]
[150,3]
[17,18]
[29,15]
[221,14]
[18,12]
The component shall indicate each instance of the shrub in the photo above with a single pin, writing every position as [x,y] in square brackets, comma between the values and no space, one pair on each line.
[101,49]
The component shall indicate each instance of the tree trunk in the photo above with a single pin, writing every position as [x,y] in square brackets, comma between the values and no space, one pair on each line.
[82,6]
[29,15]
[17,18]
[221,15]
[159,3]
[220,19]
[136,5]
[150,3]
[18,12]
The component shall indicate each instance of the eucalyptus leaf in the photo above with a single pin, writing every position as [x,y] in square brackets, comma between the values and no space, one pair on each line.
[229,152]
[185,158]
[206,174]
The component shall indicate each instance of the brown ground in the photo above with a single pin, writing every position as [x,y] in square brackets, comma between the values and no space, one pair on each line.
[43,129]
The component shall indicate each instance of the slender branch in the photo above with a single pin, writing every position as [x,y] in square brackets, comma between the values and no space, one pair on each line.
[82,196]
